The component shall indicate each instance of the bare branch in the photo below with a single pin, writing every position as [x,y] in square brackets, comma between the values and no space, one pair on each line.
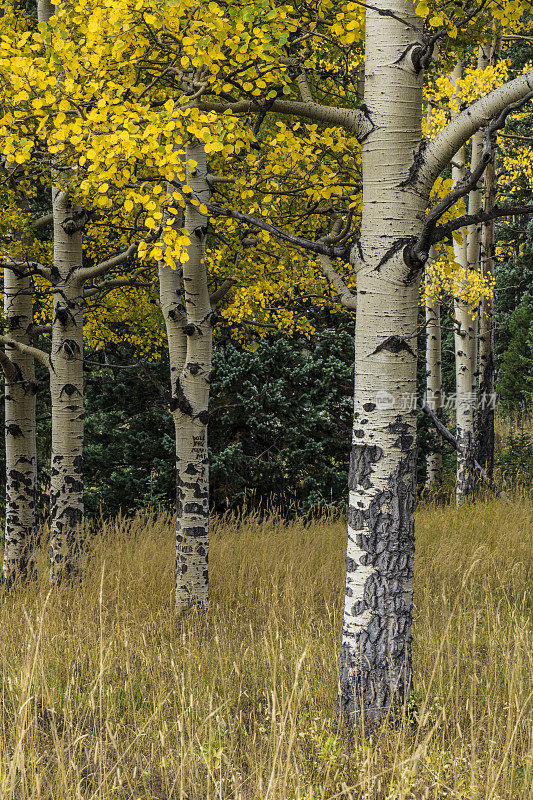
[420,250]
[294,241]
[39,355]
[221,292]
[351,119]
[444,231]
[346,298]
[112,283]
[27,267]
[41,223]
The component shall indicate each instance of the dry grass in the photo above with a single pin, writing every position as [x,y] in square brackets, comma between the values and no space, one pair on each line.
[106,694]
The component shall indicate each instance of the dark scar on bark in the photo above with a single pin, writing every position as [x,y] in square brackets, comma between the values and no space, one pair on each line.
[179,401]
[375,676]
[69,389]
[418,162]
[14,430]
[398,245]
[362,459]
[405,440]
[395,344]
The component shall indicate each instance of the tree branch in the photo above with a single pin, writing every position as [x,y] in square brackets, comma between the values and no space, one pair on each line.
[346,297]
[113,283]
[221,292]
[351,119]
[86,273]
[292,240]
[444,231]
[420,250]
[41,223]
[39,355]
[456,133]
[31,266]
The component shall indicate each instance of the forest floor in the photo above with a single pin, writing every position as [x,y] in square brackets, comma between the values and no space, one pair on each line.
[107,694]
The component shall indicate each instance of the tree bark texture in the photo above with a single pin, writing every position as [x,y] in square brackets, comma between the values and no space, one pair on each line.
[375,660]
[66,387]
[21,451]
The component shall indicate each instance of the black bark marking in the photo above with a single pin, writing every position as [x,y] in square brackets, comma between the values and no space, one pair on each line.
[395,344]
[70,390]
[179,401]
[14,430]
[362,459]
[398,245]
[369,407]
[376,678]
[203,417]
[418,163]
[406,439]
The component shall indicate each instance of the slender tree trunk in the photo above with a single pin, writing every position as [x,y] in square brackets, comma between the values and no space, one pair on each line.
[485,421]
[66,386]
[375,660]
[21,451]
[189,320]
[464,368]
[433,385]
[464,338]
[192,399]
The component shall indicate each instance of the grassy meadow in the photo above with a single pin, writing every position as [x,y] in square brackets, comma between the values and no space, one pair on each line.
[107,694]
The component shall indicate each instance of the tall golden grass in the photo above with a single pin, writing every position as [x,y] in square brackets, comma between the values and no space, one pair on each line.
[107,694]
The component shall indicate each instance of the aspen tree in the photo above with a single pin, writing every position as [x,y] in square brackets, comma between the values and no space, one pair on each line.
[66,379]
[20,428]
[464,339]
[189,320]
[20,387]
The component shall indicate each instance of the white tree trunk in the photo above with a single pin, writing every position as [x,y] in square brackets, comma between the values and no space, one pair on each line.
[66,387]
[66,384]
[375,660]
[464,340]
[21,451]
[189,320]
[434,387]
